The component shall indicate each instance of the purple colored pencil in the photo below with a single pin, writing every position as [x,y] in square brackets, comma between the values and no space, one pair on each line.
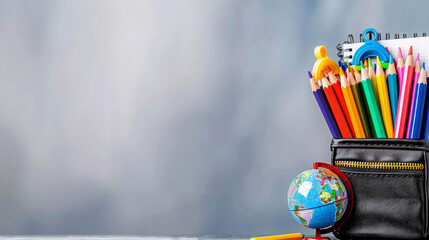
[324,107]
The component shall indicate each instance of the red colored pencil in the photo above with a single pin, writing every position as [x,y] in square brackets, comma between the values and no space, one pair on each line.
[336,109]
[404,97]
[338,92]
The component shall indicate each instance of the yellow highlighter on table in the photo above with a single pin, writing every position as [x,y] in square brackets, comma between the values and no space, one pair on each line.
[291,236]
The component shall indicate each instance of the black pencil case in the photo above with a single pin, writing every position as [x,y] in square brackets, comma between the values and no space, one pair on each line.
[389,178]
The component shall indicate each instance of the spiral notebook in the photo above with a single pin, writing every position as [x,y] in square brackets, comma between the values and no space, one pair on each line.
[420,45]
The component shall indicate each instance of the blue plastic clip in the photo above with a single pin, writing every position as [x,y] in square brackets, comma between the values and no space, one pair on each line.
[371,48]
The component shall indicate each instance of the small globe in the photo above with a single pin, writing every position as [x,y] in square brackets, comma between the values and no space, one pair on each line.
[317,198]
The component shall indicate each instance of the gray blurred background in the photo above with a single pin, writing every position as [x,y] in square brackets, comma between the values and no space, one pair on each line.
[166,117]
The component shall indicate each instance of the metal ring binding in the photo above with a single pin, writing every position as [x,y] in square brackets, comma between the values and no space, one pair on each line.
[350,38]
[404,35]
[424,34]
[387,36]
[415,35]
[396,36]
[341,50]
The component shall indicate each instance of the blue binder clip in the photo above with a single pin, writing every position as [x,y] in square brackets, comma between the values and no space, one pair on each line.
[371,48]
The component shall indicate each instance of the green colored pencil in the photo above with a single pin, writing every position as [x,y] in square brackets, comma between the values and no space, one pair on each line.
[358,99]
[374,111]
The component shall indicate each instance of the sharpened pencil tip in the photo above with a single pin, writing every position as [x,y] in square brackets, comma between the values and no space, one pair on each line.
[423,66]
[410,52]
[418,57]
[378,61]
[369,63]
[355,69]
[309,75]
[329,70]
[341,72]
[391,59]
[399,53]
[347,63]
[362,65]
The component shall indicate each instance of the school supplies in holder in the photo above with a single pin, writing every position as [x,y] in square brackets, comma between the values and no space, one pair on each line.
[320,66]
[371,48]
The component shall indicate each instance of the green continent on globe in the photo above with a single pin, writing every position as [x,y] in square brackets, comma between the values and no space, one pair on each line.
[341,207]
[332,188]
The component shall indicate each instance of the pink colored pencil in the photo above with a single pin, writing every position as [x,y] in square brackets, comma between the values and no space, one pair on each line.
[400,69]
[404,97]
[413,95]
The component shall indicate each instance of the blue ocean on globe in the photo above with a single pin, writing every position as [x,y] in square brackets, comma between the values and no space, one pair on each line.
[317,198]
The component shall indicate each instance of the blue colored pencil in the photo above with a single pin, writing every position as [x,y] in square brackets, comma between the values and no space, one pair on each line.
[419,104]
[425,122]
[392,84]
[324,107]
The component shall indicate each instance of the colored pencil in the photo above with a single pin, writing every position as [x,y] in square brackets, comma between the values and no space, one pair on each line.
[291,236]
[392,84]
[356,85]
[413,94]
[372,105]
[394,61]
[383,93]
[344,67]
[324,107]
[351,106]
[337,89]
[400,69]
[425,123]
[336,109]
[371,74]
[419,103]
[404,97]
[358,77]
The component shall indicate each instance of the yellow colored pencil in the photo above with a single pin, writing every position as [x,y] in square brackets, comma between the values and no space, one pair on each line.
[359,102]
[383,94]
[351,106]
[291,236]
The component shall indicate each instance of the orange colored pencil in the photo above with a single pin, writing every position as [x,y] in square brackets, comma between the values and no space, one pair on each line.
[351,106]
[336,109]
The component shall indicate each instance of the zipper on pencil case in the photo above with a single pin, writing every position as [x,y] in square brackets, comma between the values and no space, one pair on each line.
[380,165]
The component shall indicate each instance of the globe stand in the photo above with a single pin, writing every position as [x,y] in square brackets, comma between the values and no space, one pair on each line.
[317,237]
[346,215]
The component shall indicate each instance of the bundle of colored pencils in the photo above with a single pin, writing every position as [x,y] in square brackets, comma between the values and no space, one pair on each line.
[378,103]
